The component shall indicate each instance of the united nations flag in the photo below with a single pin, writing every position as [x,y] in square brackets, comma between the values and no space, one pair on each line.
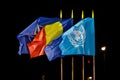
[79,39]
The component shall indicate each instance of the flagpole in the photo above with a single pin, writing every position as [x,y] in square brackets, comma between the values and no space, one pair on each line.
[61,68]
[83,55]
[72,56]
[61,59]
[93,56]
[72,68]
[93,67]
[82,67]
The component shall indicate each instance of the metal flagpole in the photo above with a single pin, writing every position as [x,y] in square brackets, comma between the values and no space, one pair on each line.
[93,67]
[61,68]
[82,16]
[72,68]
[61,59]
[93,56]
[72,56]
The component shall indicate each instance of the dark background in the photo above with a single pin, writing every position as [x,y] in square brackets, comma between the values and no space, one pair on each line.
[21,14]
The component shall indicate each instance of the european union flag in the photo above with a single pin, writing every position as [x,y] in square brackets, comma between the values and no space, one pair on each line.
[79,39]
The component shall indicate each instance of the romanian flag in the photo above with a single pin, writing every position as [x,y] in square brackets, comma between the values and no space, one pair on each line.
[47,34]
[79,39]
[28,33]
[52,50]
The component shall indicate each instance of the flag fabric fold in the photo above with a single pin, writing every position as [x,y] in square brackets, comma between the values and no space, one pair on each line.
[52,50]
[48,33]
[28,34]
[79,39]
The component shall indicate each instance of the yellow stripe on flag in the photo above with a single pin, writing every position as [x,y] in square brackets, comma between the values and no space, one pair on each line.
[53,31]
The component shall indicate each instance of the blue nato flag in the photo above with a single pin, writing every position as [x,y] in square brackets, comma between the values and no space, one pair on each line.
[28,33]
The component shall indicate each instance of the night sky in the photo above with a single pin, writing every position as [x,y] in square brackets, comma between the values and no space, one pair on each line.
[22,14]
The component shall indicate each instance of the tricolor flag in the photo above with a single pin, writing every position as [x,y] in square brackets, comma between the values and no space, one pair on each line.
[47,34]
[79,39]
[28,34]
[52,50]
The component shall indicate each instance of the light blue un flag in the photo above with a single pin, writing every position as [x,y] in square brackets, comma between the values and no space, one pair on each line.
[79,39]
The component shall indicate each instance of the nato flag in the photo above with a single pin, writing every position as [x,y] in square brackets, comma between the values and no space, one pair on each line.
[28,33]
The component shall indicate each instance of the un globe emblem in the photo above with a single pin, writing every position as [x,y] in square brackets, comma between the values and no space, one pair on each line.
[77,36]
